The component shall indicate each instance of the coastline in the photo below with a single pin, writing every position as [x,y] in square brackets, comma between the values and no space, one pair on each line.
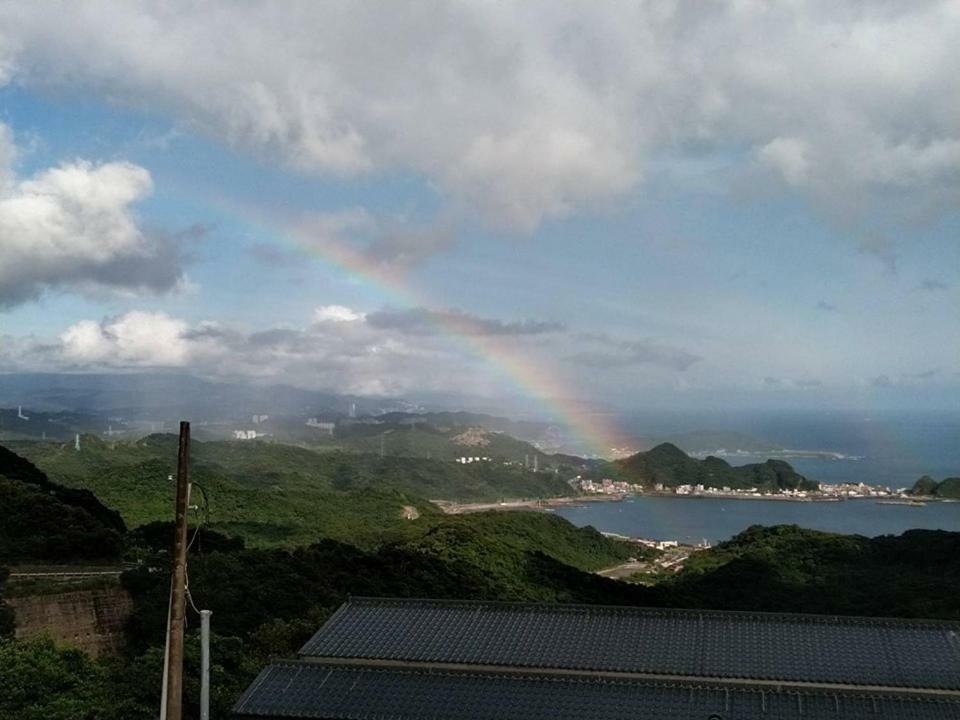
[457,508]
[451,507]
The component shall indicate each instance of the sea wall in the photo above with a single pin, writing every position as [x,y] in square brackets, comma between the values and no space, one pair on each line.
[92,620]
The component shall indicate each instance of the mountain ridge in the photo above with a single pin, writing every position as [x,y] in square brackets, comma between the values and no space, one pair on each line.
[668,465]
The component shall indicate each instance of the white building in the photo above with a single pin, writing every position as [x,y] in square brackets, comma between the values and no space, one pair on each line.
[326,427]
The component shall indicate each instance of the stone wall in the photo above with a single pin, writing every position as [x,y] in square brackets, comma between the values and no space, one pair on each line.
[92,620]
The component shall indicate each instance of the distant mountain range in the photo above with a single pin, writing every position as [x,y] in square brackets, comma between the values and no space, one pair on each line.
[170,396]
[131,405]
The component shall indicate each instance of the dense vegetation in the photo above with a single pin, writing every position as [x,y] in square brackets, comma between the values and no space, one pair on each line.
[43,521]
[400,435]
[787,568]
[6,612]
[275,494]
[268,600]
[17,468]
[670,466]
[949,488]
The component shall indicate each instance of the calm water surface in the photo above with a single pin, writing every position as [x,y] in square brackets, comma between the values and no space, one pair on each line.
[716,519]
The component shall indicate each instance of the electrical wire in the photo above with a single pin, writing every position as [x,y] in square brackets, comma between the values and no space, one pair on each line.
[204,519]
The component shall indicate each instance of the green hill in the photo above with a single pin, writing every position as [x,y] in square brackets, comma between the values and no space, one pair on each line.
[43,521]
[790,569]
[669,465]
[509,548]
[408,436]
[948,488]
[280,494]
[268,601]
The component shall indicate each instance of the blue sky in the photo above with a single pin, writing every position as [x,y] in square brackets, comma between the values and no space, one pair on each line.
[744,228]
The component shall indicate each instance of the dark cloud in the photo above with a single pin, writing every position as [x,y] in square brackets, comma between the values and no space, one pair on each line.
[423,321]
[826,306]
[810,383]
[881,381]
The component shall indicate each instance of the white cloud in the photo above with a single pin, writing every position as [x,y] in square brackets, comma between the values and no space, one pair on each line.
[135,339]
[336,313]
[529,110]
[341,348]
[73,227]
[337,351]
[789,157]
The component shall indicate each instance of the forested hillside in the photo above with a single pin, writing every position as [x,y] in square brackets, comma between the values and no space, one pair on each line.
[791,569]
[948,488]
[343,534]
[670,466]
[276,494]
[43,521]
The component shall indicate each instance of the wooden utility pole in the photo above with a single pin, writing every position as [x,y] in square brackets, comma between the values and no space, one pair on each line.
[178,599]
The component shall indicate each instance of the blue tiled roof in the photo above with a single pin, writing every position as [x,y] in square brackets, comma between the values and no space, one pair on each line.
[323,691]
[379,659]
[694,644]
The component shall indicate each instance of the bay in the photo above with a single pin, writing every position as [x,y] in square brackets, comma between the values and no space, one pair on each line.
[691,520]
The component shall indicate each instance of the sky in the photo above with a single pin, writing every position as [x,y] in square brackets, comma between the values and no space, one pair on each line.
[647,205]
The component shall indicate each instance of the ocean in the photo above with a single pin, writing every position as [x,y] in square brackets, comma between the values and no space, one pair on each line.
[691,520]
[881,449]
[892,449]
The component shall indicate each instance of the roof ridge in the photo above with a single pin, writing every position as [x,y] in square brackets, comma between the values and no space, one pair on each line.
[751,685]
[808,618]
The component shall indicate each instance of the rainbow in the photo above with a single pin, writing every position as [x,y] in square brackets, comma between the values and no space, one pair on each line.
[596,431]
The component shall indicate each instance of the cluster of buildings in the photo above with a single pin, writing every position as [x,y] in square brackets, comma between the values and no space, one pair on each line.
[726,491]
[658,544]
[471,460]
[826,492]
[322,426]
[605,486]
[860,490]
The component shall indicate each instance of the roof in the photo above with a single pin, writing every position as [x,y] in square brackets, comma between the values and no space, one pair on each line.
[380,659]
[337,692]
[704,644]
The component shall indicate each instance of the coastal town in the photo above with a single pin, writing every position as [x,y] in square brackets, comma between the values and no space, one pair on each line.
[827,492]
